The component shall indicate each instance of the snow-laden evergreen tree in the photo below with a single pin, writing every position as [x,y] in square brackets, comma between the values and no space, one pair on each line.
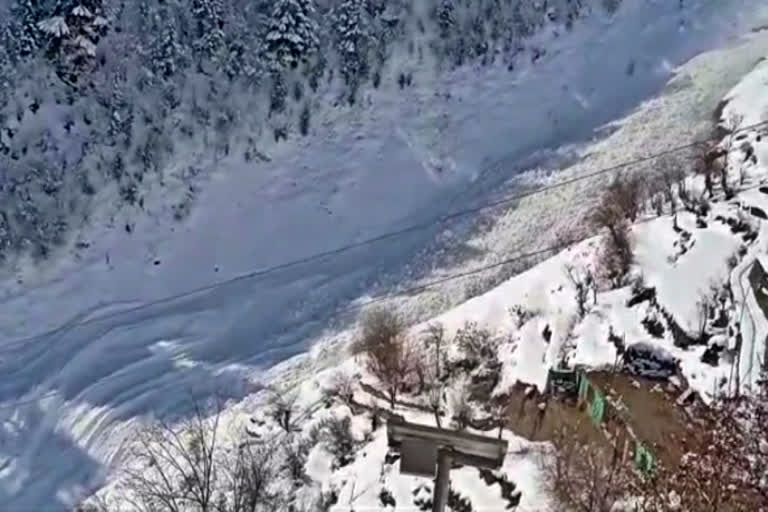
[166,50]
[209,37]
[446,17]
[352,26]
[26,34]
[293,33]
[70,32]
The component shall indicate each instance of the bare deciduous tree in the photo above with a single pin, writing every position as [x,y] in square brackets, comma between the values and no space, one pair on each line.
[187,466]
[619,205]
[583,281]
[379,326]
[342,387]
[706,163]
[423,370]
[615,257]
[732,126]
[461,408]
[248,480]
[176,466]
[478,345]
[671,174]
[584,476]
[435,338]
[389,355]
[282,405]
[435,398]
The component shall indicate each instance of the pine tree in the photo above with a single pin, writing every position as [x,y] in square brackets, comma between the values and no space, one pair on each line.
[209,39]
[292,34]
[446,17]
[26,33]
[352,36]
[166,51]
[70,31]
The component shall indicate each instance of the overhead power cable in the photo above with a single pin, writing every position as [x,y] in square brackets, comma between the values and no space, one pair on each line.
[392,234]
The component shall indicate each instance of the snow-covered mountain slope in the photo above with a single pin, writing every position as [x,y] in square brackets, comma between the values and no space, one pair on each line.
[679,263]
[684,261]
[116,357]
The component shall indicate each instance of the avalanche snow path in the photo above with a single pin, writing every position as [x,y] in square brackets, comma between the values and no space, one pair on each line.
[67,396]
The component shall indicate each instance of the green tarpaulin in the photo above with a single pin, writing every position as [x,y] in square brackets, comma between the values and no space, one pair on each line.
[644,458]
[583,388]
[597,409]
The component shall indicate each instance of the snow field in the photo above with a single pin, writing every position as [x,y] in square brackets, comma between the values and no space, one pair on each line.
[107,375]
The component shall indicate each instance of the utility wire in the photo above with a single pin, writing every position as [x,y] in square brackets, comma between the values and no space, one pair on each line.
[393,234]
[414,289]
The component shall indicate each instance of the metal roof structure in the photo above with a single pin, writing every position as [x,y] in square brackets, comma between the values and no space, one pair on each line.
[429,452]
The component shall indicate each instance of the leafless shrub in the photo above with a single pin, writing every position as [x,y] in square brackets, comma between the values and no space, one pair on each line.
[434,338]
[423,369]
[670,174]
[704,307]
[584,282]
[584,476]
[478,345]
[566,236]
[461,408]
[622,199]
[726,473]
[615,257]
[282,405]
[657,203]
[389,355]
[342,387]
[521,314]
[707,164]
[732,126]
[620,203]
[294,459]
[95,503]
[176,468]
[248,481]
[336,435]
[378,326]
[435,398]
[500,408]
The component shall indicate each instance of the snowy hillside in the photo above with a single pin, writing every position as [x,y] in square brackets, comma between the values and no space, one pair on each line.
[143,312]
[687,260]
[105,103]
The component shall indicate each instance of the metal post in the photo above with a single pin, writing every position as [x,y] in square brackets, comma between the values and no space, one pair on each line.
[442,482]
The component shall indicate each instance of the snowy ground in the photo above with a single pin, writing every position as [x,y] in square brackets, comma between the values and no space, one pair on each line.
[119,351]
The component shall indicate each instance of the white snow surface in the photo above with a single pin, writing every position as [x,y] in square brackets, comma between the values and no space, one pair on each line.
[748,99]
[119,351]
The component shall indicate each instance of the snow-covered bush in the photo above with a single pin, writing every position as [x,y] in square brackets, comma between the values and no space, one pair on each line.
[336,436]
[521,314]
[477,345]
[282,406]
